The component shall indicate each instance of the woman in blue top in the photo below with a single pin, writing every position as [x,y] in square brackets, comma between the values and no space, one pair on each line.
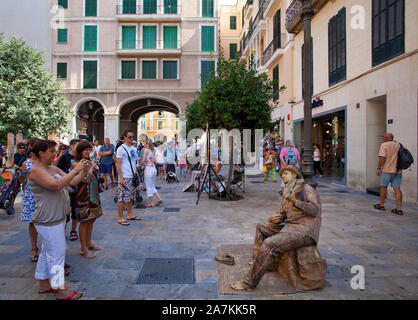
[28,206]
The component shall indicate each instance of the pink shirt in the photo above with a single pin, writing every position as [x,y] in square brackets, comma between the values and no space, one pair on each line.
[283,155]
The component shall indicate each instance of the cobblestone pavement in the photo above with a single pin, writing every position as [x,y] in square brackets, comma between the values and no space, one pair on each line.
[352,233]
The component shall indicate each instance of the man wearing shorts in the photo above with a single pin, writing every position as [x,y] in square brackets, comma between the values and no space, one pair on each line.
[388,172]
[106,161]
[126,191]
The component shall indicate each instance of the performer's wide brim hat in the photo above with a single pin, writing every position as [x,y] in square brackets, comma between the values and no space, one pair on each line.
[293,169]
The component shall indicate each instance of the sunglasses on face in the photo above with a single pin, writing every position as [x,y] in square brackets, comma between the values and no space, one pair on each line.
[130,137]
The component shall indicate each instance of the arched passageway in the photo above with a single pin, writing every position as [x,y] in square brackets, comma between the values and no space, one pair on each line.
[90,121]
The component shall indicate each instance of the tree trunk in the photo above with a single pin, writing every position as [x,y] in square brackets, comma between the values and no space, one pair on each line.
[10,149]
[228,184]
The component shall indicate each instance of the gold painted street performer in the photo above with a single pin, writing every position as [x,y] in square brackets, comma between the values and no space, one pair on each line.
[295,225]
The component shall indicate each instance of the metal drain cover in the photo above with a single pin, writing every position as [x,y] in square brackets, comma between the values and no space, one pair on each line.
[341,191]
[255,175]
[171,210]
[257,181]
[167,271]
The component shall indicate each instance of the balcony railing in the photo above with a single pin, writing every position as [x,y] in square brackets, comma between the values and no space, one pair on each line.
[139,10]
[294,21]
[148,45]
[276,43]
[256,21]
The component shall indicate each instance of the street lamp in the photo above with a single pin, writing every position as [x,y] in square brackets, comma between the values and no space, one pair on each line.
[307,160]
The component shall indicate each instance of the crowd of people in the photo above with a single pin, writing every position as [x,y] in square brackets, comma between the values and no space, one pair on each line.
[62,183]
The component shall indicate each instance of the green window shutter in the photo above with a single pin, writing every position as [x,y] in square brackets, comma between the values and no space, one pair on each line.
[90,38]
[150,6]
[91,8]
[62,36]
[149,70]
[149,37]
[170,37]
[208,38]
[90,75]
[169,69]
[129,7]
[207,8]
[63,3]
[128,69]
[128,37]
[170,6]
[276,83]
[232,51]
[206,67]
[233,22]
[62,70]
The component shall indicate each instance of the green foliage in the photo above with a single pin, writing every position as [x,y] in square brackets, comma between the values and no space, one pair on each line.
[31,101]
[234,96]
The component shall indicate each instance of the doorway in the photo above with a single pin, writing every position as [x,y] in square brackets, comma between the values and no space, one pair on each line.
[376,128]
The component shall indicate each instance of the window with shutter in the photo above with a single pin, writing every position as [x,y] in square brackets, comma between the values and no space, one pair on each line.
[170,37]
[149,37]
[61,70]
[128,69]
[232,51]
[170,6]
[90,38]
[206,68]
[129,7]
[63,3]
[277,30]
[149,69]
[233,22]
[276,83]
[169,69]
[207,8]
[91,8]
[62,35]
[208,38]
[90,74]
[337,65]
[388,30]
[150,6]
[128,37]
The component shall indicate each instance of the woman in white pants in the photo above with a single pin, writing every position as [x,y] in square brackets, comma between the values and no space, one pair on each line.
[150,174]
[49,187]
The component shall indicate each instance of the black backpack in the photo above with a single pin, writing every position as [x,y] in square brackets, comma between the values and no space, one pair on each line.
[405,158]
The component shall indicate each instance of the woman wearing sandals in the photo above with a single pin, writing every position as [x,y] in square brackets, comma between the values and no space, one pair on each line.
[150,174]
[28,206]
[49,187]
[87,200]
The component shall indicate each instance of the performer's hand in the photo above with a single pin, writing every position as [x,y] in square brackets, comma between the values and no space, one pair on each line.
[275,218]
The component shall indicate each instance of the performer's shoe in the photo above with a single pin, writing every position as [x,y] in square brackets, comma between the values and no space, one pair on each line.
[226,259]
[241,285]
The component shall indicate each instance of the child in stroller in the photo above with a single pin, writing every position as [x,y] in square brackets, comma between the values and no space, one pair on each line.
[171,173]
[9,188]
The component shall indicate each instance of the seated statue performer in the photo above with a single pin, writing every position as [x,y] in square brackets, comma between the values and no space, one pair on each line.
[295,225]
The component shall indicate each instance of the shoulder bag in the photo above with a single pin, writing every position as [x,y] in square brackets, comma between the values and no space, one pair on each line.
[135,179]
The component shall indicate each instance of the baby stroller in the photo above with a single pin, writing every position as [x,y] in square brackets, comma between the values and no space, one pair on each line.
[171,174]
[9,188]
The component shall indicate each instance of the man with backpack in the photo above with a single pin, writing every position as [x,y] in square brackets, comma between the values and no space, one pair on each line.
[389,170]
[289,155]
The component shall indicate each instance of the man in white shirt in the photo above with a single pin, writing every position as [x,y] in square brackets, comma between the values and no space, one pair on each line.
[96,150]
[126,160]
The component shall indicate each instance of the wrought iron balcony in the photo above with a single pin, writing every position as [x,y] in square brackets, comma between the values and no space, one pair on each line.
[294,22]
[276,43]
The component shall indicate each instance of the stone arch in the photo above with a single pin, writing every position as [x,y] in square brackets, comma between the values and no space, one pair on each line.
[145,97]
[88,120]
[80,102]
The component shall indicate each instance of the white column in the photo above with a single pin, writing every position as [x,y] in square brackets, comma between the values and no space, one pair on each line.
[182,133]
[111,127]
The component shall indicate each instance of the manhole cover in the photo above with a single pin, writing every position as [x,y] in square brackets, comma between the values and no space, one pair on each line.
[257,181]
[322,186]
[171,210]
[167,271]
[341,191]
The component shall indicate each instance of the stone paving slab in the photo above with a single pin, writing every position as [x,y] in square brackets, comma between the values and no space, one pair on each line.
[352,233]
